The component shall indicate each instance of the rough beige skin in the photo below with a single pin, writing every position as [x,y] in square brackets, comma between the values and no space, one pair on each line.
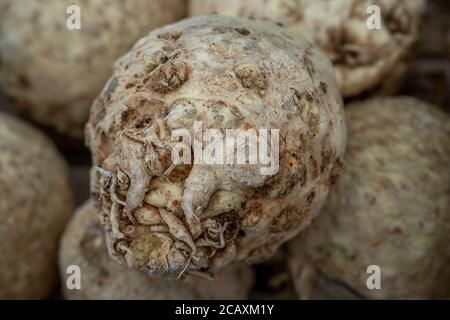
[391,207]
[227,73]
[101,278]
[53,73]
[35,203]
[364,59]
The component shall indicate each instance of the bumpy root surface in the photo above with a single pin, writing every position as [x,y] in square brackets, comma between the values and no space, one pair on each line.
[391,207]
[227,73]
[366,59]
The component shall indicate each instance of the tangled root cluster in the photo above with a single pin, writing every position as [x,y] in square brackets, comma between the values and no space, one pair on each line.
[83,245]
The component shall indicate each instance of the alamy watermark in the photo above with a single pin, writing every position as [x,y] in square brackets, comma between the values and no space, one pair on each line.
[373,282]
[73,21]
[235,147]
[374,19]
[73,281]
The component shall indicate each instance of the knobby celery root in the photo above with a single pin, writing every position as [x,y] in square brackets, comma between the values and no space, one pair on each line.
[365,59]
[101,278]
[391,207]
[35,203]
[228,73]
[53,73]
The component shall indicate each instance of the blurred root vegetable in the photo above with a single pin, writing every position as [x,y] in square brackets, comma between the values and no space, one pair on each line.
[52,72]
[391,208]
[35,203]
[365,58]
